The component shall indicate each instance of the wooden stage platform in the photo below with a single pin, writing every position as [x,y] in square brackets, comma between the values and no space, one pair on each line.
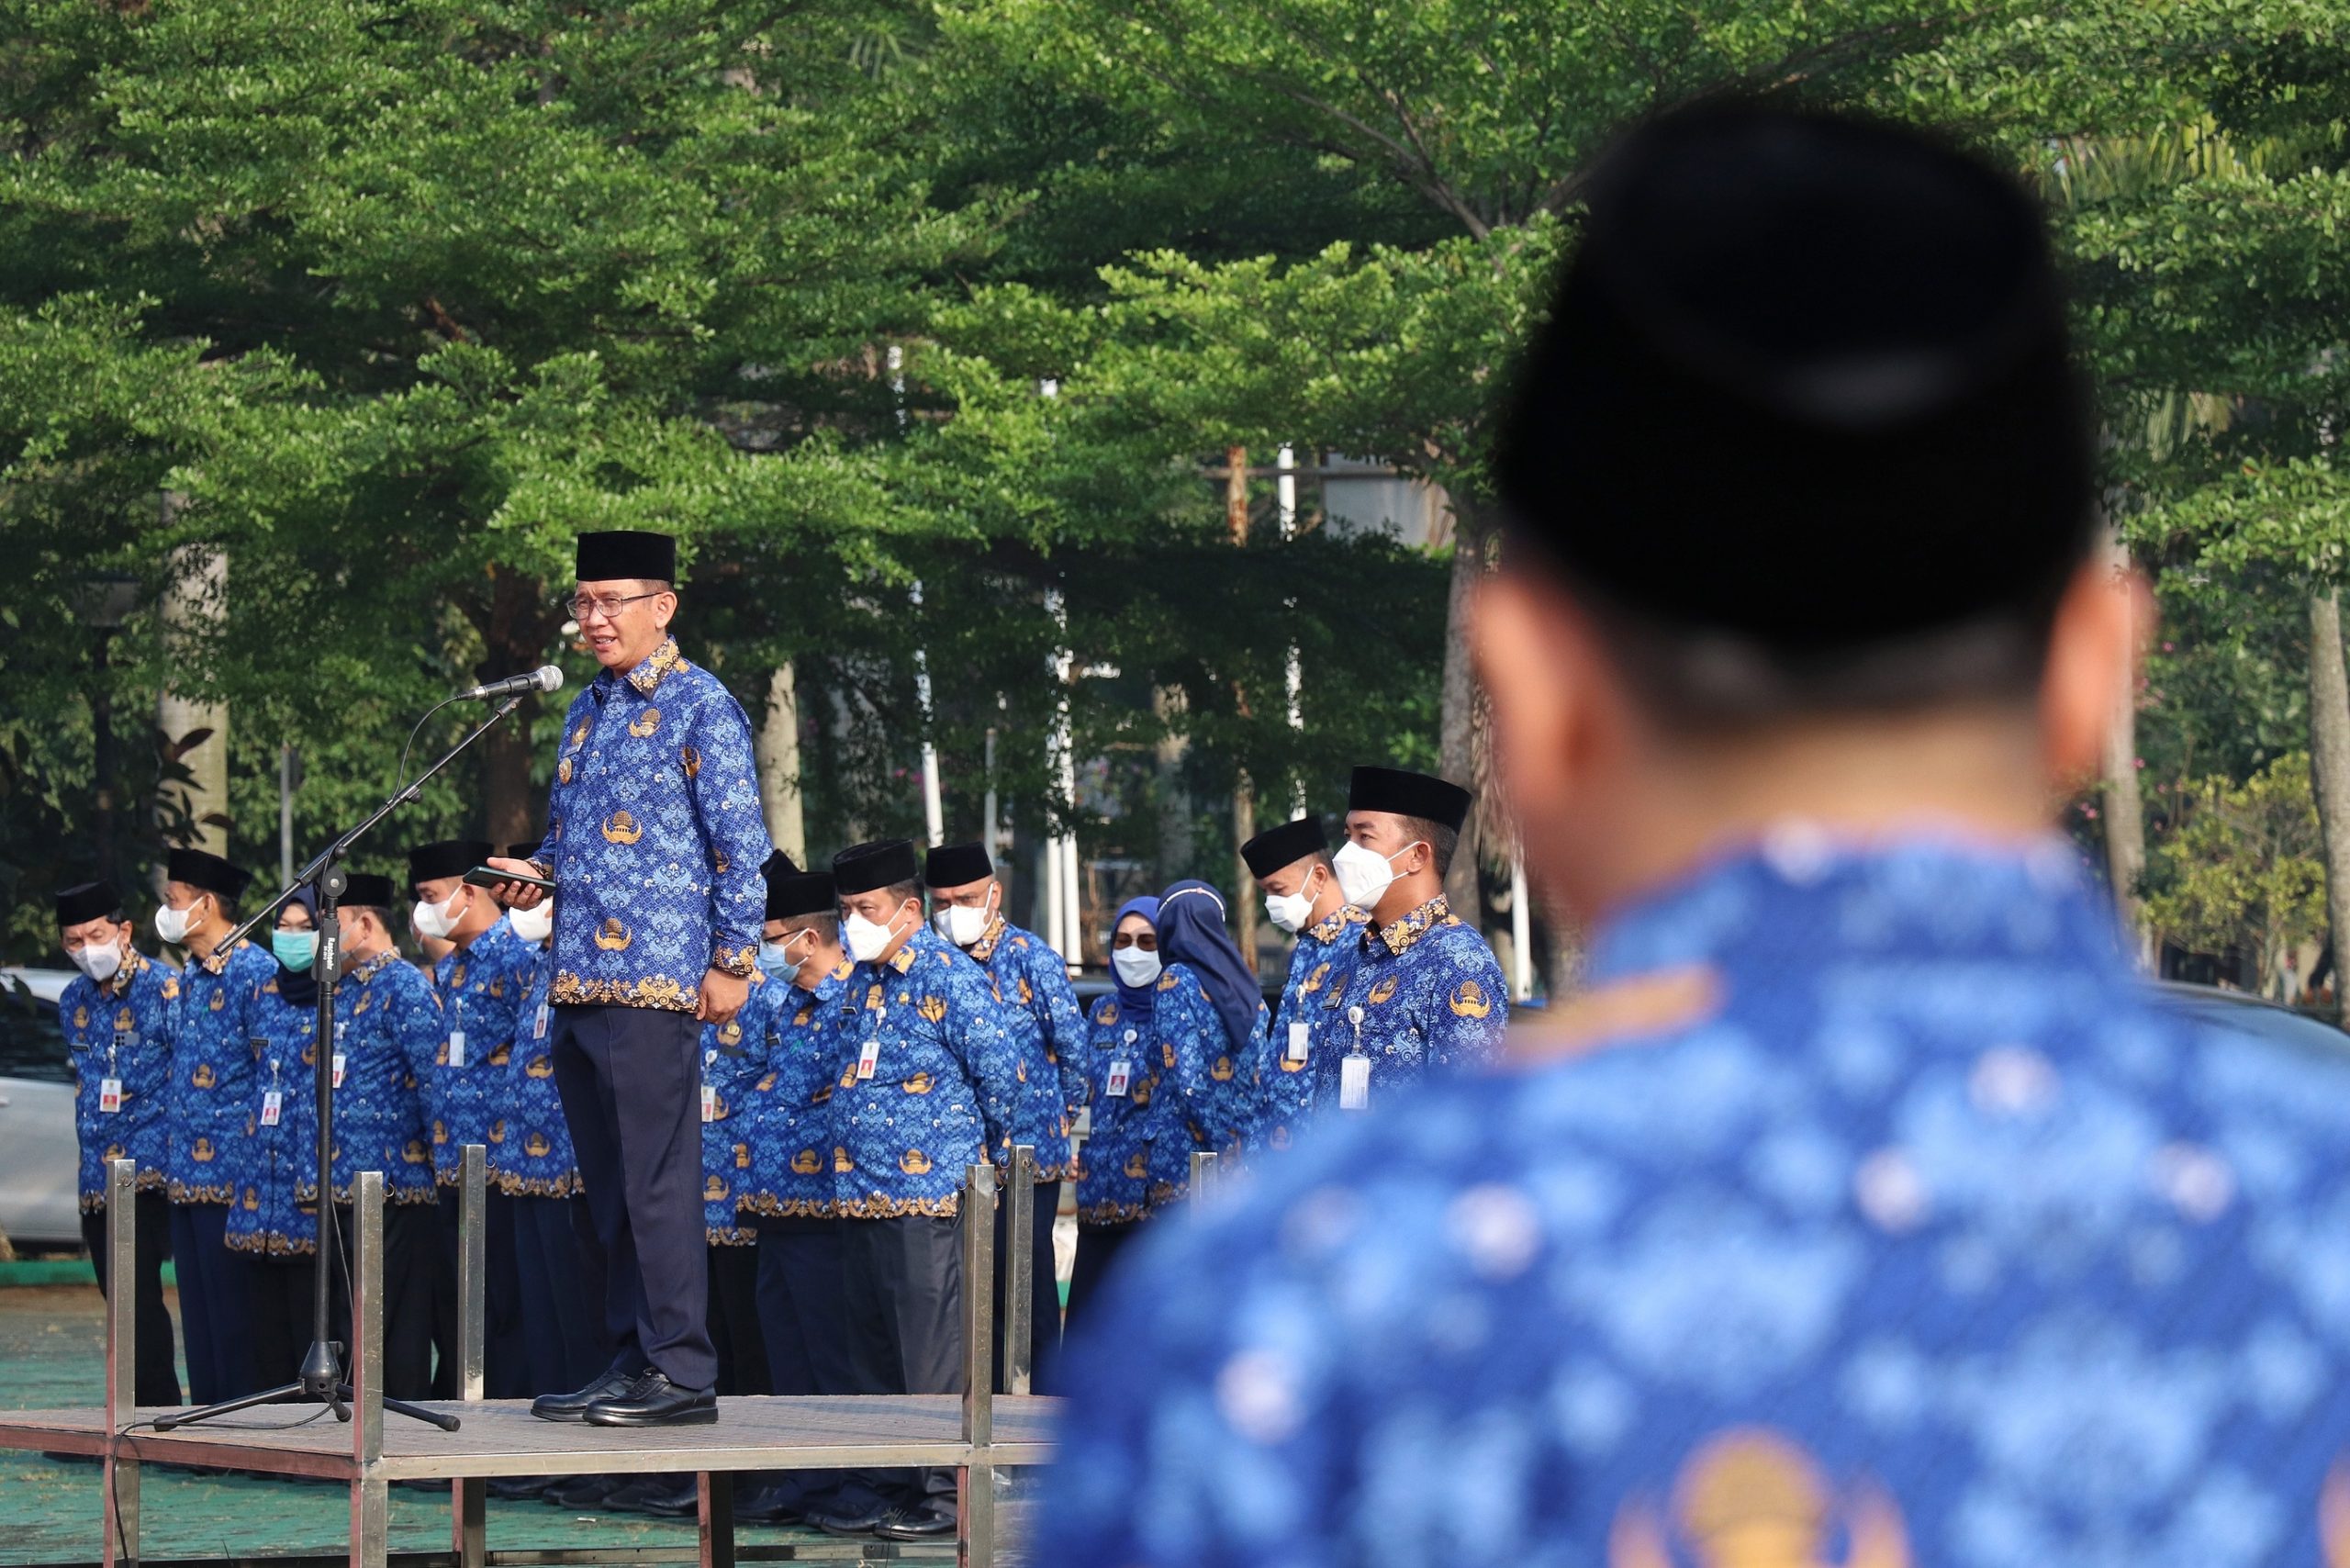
[974,1433]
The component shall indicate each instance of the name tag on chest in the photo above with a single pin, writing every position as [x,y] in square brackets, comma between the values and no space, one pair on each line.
[1121,1074]
[1301,1038]
[539,1028]
[456,1047]
[868,1057]
[272,1104]
[1354,1083]
[708,1104]
[338,1069]
[110,1096]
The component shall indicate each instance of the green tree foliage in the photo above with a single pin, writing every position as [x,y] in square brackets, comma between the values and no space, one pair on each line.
[2244,875]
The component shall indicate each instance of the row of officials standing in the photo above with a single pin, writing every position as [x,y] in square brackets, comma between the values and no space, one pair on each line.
[845,1058]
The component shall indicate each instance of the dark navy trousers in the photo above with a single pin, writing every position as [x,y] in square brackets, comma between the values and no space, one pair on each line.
[630,1081]
[561,1313]
[801,1324]
[215,1308]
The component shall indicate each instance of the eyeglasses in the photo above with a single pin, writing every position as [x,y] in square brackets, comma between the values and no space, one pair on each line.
[607,605]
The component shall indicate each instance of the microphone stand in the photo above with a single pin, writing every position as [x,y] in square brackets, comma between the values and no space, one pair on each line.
[321,1377]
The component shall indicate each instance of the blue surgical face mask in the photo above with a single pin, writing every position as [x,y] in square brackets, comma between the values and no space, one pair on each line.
[294,949]
[778,967]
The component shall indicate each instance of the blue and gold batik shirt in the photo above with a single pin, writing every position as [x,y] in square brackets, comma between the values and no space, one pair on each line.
[1318,965]
[733,1060]
[212,1070]
[536,1159]
[788,1109]
[1031,981]
[121,1031]
[654,833]
[1868,1210]
[945,1087]
[278,1154]
[480,987]
[389,1032]
[1422,995]
[1137,1152]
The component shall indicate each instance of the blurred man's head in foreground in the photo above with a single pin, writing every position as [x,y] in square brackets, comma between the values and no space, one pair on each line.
[1797,486]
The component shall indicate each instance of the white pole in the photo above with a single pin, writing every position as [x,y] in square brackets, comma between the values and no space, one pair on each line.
[1521,932]
[988,807]
[934,814]
[284,815]
[1285,495]
[1069,938]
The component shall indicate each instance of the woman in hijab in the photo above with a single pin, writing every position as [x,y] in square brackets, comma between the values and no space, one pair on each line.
[1113,1165]
[266,1223]
[1192,937]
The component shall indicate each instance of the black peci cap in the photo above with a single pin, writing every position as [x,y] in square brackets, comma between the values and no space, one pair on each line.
[1806,384]
[1408,795]
[202,869]
[603,557]
[778,863]
[801,892]
[370,890]
[957,865]
[1285,845]
[884,863]
[449,858]
[522,851]
[86,901]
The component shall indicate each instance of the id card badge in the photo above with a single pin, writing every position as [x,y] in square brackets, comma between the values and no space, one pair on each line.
[456,1047]
[868,1057]
[110,1096]
[1120,1070]
[1354,1081]
[1301,1038]
[338,1069]
[539,1030]
[271,1104]
[708,1104]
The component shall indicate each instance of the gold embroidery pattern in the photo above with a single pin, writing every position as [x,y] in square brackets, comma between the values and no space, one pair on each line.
[645,724]
[1400,936]
[663,662]
[659,991]
[1752,1499]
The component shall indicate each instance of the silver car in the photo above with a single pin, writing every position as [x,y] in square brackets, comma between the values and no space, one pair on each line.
[40,1161]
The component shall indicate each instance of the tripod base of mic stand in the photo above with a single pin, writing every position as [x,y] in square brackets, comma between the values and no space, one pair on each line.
[320,1382]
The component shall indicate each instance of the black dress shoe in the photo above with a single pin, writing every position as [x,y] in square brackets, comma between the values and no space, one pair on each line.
[581,1491]
[514,1488]
[659,1495]
[917,1524]
[572,1407]
[855,1517]
[770,1506]
[653,1401]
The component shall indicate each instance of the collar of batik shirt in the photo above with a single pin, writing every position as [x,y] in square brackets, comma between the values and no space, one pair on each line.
[1332,926]
[984,948]
[1801,892]
[134,964]
[646,678]
[368,969]
[1398,936]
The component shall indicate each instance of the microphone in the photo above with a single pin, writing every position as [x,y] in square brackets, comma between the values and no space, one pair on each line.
[546,677]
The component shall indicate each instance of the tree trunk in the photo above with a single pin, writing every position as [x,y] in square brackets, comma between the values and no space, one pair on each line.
[516,628]
[2125,817]
[1175,847]
[777,749]
[1244,793]
[2330,764]
[196,594]
[1458,722]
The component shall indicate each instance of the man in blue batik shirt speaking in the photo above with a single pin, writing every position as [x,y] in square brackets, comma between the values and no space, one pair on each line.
[655,840]
[1867,1208]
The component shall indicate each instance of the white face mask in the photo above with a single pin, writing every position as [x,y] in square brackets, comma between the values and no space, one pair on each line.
[533,925]
[172,924]
[437,920]
[98,960]
[1291,910]
[1138,967]
[865,940]
[965,926]
[1364,874]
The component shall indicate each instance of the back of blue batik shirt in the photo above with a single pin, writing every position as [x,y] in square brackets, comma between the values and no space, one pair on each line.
[1868,1210]
[733,1060]
[656,834]
[277,1156]
[389,1031]
[212,1070]
[481,987]
[1031,981]
[120,1034]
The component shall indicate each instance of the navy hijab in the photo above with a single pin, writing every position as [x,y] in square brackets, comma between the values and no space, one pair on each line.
[1135,1001]
[1190,932]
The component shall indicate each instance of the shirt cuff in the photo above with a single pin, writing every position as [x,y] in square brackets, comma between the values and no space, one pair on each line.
[740,962]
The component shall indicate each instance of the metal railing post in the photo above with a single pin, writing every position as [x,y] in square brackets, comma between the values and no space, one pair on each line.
[976,1476]
[1019,1271]
[370,1502]
[122,1361]
[469,1495]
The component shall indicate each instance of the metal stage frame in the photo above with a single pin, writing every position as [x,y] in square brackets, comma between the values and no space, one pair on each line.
[976,1433]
